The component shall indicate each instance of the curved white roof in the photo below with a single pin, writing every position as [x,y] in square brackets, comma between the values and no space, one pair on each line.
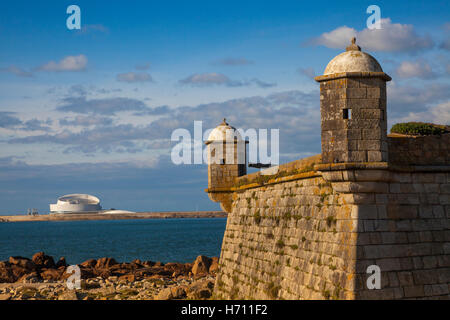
[224,132]
[79,198]
[353,60]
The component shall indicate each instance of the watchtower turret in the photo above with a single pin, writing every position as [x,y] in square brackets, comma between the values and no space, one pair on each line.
[226,156]
[353,108]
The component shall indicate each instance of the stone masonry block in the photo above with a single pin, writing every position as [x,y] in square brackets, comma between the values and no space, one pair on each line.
[363,186]
[425,276]
[414,291]
[364,211]
[371,134]
[374,93]
[405,278]
[356,93]
[357,156]
[358,104]
[374,156]
[401,211]
[369,114]
[374,145]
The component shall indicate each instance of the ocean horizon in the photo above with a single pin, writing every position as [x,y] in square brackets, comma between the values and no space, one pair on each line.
[165,240]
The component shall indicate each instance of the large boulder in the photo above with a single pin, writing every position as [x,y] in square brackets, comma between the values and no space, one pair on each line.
[51,274]
[136,264]
[41,260]
[127,277]
[177,292]
[30,278]
[68,295]
[201,265]
[214,267]
[103,263]
[6,274]
[148,263]
[18,272]
[22,262]
[85,273]
[61,262]
[164,294]
[177,269]
[200,289]
[89,263]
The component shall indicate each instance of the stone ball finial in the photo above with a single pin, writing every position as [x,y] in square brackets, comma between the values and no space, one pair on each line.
[353,46]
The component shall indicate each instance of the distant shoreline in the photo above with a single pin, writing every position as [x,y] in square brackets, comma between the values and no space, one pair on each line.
[116,216]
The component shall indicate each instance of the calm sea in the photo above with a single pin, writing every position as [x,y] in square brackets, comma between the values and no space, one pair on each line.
[166,240]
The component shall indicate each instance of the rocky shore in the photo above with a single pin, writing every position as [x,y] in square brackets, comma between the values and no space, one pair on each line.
[41,278]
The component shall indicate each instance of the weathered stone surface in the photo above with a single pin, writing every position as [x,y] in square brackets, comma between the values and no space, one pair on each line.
[89,263]
[373,200]
[311,233]
[165,294]
[105,263]
[5,296]
[32,277]
[201,289]
[41,260]
[68,295]
[201,265]
[214,267]
[22,262]
[61,262]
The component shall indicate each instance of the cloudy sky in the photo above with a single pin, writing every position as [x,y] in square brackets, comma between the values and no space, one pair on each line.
[93,110]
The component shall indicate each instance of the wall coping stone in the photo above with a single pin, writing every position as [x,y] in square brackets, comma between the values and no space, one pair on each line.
[379,165]
[329,77]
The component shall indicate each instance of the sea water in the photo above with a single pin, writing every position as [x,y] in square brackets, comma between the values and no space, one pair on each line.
[165,240]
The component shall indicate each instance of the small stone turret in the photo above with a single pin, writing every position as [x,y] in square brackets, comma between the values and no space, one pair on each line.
[353,108]
[226,161]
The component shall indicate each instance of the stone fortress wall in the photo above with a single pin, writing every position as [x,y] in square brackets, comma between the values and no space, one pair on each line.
[311,230]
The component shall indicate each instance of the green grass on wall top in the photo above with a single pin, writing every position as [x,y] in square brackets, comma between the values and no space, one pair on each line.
[419,128]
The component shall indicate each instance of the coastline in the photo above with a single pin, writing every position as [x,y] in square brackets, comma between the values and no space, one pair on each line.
[117,216]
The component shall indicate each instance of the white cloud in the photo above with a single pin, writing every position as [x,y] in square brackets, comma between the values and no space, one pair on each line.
[439,114]
[17,71]
[308,72]
[337,38]
[213,78]
[202,79]
[69,63]
[418,69]
[392,37]
[403,100]
[134,77]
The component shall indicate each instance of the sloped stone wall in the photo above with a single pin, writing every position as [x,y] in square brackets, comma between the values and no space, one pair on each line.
[314,238]
[288,241]
[403,227]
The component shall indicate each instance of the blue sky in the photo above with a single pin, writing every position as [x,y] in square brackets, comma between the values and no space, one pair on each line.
[92,110]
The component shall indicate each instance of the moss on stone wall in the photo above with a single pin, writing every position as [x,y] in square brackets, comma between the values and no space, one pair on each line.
[419,128]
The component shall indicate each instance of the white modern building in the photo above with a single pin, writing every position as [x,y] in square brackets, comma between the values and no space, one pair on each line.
[76,203]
